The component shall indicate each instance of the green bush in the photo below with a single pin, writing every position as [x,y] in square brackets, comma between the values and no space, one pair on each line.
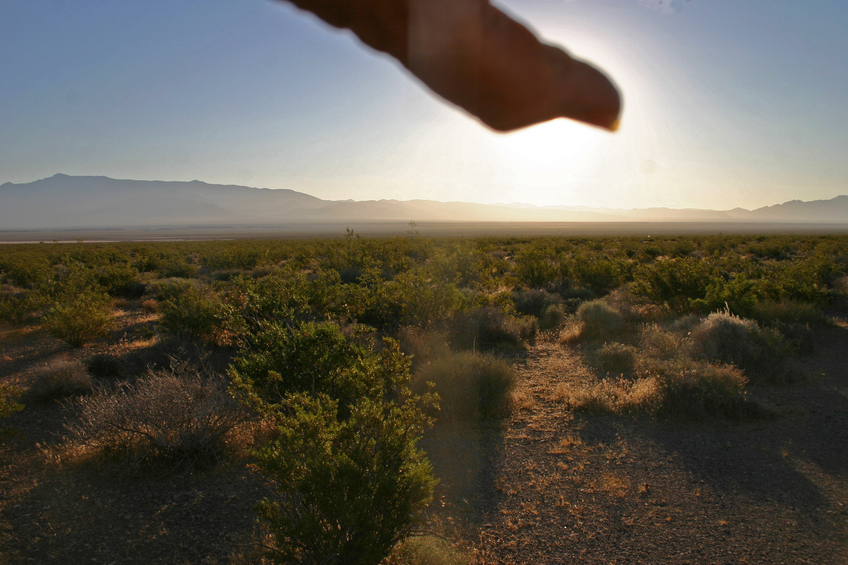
[200,313]
[349,490]
[471,386]
[677,283]
[82,319]
[318,358]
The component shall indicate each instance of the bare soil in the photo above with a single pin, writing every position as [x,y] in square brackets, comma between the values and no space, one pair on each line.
[546,486]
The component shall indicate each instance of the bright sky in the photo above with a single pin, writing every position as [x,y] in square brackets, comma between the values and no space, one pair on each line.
[726,103]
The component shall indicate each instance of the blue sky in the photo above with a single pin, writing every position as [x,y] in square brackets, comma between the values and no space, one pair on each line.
[726,103]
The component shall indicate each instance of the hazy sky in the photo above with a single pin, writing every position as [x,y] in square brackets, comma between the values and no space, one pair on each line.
[726,103]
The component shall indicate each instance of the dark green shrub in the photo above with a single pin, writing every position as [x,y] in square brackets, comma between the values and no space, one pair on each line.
[80,320]
[350,489]
[676,283]
[318,358]
[536,268]
[553,317]
[471,386]
[534,301]
[103,366]
[200,313]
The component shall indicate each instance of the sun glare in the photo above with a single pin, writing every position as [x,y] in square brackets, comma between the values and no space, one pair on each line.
[548,146]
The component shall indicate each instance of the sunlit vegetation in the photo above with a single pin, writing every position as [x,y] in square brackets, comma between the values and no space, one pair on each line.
[348,349]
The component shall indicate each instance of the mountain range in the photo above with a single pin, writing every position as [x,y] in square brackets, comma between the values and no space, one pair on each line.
[64,202]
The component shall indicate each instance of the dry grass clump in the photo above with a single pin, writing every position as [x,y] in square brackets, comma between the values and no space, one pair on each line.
[696,390]
[150,305]
[60,379]
[427,550]
[658,342]
[612,396]
[177,416]
[616,358]
[680,388]
[422,344]
[471,386]
[490,328]
[594,320]
[725,338]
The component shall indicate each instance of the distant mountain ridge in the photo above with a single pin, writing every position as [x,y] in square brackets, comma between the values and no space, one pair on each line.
[63,201]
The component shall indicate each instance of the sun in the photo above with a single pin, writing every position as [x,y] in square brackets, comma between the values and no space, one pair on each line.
[553,146]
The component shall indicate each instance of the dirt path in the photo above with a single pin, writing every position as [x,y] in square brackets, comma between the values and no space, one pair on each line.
[554,488]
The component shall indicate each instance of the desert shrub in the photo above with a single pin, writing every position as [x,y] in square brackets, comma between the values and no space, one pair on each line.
[318,358]
[17,305]
[553,317]
[119,279]
[490,328]
[725,338]
[150,305]
[471,386]
[427,550]
[349,489]
[616,358]
[678,388]
[176,416]
[178,268]
[8,405]
[798,338]
[80,320]
[658,342]
[423,345]
[534,301]
[701,390]
[786,311]
[103,366]
[60,379]
[598,274]
[615,396]
[199,313]
[677,283]
[599,320]
[536,268]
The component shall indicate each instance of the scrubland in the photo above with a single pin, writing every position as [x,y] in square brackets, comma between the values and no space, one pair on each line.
[416,400]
